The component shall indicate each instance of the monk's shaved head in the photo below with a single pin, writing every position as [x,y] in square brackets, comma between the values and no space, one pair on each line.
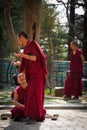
[74,43]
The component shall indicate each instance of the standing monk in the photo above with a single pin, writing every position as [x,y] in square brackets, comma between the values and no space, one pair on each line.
[73,83]
[34,65]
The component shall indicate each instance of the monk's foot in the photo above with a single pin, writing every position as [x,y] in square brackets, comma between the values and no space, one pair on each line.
[25,119]
[30,121]
[75,98]
[67,97]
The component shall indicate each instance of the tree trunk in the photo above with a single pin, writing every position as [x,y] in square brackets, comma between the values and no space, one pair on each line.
[85,32]
[1,43]
[71,24]
[32,16]
[9,25]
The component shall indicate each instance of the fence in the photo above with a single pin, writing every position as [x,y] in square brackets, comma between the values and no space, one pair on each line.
[6,71]
[59,72]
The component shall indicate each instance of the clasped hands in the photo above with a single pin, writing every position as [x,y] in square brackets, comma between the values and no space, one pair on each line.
[20,54]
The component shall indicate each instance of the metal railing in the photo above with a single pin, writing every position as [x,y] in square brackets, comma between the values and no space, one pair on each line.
[58,73]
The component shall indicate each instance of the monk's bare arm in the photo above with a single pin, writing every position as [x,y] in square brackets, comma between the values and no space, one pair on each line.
[16,63]
[16,103]
[82,59]
[29,57]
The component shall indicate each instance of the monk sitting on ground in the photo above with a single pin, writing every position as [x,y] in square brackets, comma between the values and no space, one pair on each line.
[19,97]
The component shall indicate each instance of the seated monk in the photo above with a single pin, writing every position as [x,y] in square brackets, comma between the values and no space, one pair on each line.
[19,97]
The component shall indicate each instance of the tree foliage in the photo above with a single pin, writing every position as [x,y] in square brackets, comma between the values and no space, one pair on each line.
[77,22]
[53,37]
[9,25]
[16,8]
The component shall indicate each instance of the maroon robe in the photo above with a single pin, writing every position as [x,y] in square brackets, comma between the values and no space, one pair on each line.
[73,83]
[18,111]
[35,72]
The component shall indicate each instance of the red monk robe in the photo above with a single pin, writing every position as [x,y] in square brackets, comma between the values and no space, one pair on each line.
[18,111]
[73,83]
[36,76]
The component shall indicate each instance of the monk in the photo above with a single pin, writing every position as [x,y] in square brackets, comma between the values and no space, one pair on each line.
[34,65]
[19,98]
[73,83]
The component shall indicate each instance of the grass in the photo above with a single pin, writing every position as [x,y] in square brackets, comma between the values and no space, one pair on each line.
[5,95]
[9,102]
[49,91]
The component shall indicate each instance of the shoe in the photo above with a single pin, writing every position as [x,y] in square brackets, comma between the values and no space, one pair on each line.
[4,117]
[54,117]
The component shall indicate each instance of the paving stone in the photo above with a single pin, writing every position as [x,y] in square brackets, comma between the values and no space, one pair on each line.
[67,120]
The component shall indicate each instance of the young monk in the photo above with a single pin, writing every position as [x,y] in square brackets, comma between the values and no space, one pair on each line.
[73,83]
[34,65]
[19,98]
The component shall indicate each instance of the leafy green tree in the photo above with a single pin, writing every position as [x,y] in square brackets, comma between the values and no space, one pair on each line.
[53,36]
[10,28]
[5,47]
[31,17]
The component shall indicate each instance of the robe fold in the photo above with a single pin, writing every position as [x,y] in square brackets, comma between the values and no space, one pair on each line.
[35,72]
[73,83]
[18,111]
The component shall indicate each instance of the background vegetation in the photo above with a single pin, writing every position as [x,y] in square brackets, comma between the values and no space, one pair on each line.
[54,37]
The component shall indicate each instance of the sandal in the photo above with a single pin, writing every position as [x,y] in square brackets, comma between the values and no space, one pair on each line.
[54,117]
[4,117]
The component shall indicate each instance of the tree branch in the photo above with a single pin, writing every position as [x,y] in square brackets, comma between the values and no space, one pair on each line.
[9,25]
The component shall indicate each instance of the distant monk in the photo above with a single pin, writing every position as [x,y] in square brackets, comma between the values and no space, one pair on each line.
[19,97]
[34,65]
[73,83]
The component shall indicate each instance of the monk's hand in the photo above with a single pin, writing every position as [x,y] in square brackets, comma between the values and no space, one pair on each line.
[20,54]
[23,106]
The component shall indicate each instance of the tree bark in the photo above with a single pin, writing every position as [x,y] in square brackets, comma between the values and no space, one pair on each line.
[71,24]
[32,16]
[9,25]
[1,43]
[85,32]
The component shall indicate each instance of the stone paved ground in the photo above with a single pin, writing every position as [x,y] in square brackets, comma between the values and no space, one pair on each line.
[68,120]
